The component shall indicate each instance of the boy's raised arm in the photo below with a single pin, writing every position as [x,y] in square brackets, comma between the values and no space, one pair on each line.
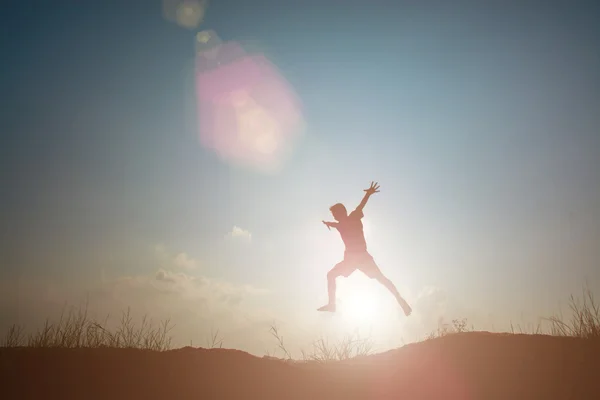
[374,188]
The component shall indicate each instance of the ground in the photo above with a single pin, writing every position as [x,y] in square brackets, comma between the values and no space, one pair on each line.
[472,365]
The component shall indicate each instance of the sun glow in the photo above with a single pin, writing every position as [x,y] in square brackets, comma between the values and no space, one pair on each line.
[362,302]
[359,309]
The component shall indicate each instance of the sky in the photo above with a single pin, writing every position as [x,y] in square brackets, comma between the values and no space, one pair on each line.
[481,124]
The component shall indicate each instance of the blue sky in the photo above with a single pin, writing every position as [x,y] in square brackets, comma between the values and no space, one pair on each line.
[482,125]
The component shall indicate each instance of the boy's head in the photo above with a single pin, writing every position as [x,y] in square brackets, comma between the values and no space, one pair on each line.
[338,211]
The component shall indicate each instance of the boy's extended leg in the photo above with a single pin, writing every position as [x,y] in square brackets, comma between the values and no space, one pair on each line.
[331,287]
[371,269]
[389,285]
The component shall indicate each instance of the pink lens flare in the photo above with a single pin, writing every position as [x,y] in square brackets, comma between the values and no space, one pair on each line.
[247,113]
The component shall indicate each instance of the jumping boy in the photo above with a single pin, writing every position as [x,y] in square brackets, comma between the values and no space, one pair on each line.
[356,255]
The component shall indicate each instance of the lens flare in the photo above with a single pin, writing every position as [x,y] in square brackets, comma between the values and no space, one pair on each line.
[185,13]
[247,113]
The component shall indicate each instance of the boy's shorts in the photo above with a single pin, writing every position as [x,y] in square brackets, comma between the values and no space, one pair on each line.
[353,261]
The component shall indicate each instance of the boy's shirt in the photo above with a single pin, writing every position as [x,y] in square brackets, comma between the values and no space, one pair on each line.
[351,230]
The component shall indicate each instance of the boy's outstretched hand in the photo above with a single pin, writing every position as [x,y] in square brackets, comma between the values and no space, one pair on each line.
[329,224]
[374,188]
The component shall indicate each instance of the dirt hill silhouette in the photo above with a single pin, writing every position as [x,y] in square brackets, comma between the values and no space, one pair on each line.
[472,365]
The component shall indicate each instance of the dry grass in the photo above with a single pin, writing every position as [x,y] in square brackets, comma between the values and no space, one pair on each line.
[77,329]
[324,351]
[457,326]
[584,321]
[349,347]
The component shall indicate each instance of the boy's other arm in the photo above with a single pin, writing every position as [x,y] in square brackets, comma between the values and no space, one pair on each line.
[330,225]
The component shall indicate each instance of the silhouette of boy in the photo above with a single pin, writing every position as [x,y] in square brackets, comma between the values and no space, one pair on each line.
[356,255]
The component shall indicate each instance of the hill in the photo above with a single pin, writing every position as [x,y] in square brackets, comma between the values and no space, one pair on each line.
[471,365]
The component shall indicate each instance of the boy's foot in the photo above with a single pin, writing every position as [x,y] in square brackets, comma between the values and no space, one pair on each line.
[405,307]
[328,307]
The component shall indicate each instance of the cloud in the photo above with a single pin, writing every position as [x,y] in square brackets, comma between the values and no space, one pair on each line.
[240,233]
[178,275]
[181,261]
[430,309]
[173,277]
[199,287]
[193,302]
[185,262]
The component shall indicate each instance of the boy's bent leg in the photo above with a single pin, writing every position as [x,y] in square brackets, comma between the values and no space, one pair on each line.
[332,275]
